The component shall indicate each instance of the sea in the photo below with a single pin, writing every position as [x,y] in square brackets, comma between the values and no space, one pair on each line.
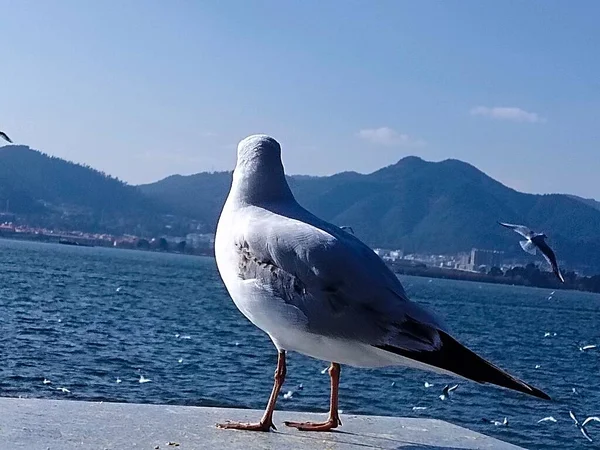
[94,321]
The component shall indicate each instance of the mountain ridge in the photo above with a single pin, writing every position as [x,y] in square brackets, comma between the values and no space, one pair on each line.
[437,207]
[415,205]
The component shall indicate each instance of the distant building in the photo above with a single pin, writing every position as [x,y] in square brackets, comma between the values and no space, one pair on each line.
[486,258]
[389,255]
[396,254]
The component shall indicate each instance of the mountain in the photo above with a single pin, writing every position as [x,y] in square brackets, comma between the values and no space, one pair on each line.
[48,191]
[588,201]
[416,205]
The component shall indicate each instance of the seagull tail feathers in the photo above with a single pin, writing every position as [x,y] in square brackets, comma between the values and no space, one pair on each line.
[454,357]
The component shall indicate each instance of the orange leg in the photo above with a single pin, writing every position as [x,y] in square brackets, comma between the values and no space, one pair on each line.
[266,422]
[334,418]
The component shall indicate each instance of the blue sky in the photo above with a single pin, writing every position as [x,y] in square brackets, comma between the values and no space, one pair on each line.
[144,89]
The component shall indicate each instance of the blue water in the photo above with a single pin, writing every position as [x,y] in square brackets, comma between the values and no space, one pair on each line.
[83,317]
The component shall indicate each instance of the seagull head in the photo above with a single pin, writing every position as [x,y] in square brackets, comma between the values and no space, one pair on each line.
[258,147]
[259,176]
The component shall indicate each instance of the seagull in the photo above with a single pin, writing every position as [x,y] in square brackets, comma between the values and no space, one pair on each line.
[419,408]
[446,391]
[428,385]
[144,380]
[587,347]
[497,423]
[547,419]
[581,426]
[319,291]
[46,381]
[533,241]
[4,136]
[118,380]
[290,394]
[63,390]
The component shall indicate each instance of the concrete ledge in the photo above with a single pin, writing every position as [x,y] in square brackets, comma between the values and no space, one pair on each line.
[59,424]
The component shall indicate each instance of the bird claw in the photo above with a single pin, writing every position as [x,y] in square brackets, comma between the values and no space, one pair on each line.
[315,426]
[260,426]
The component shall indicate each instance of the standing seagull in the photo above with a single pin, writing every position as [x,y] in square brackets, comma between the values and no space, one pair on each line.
[534,240]
[4,136]
[317,290]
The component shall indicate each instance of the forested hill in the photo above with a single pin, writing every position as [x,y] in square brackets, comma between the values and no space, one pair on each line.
[419,206]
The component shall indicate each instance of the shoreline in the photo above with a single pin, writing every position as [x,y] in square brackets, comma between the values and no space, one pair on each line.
[543,280]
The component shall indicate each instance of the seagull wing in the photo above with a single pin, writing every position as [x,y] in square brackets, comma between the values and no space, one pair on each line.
[331,284]
[4,136]
[590,419]
[452,388]
[528,246]
[521,229]
[585,433]
[547,419]
[573,417]
[548,255]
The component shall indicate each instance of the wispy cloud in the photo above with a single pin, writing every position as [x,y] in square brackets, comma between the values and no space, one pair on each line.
[388,137]
[507,113]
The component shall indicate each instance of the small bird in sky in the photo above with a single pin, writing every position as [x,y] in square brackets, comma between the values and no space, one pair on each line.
[4,136]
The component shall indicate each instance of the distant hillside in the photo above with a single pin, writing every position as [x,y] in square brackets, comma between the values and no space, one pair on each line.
[442,207]
[588,201]
[49,191]
[415,205]
[200,196]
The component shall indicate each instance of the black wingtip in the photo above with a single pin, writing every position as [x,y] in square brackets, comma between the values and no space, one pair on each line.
[456,358]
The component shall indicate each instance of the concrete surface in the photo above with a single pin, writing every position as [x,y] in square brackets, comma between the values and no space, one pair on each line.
[59,424]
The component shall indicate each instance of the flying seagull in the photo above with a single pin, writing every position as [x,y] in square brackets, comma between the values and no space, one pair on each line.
[4,136]
[533,241]
[319,291]
[446,391]
[497,423]
[581,426]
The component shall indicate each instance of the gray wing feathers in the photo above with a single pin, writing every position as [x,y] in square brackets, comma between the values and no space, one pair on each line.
[341,286]
[521,229]
[528,246]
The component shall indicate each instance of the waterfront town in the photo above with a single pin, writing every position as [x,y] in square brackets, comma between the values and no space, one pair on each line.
[477,260]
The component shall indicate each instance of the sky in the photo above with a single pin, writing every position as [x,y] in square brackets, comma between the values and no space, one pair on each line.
[143,89]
